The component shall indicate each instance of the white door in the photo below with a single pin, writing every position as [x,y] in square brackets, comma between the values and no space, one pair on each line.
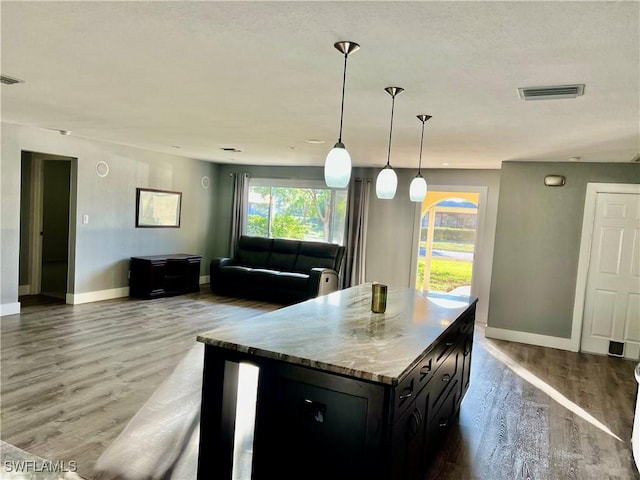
[612,302]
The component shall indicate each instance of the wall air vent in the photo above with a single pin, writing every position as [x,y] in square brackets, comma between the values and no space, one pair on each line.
[6,80]
[551,92]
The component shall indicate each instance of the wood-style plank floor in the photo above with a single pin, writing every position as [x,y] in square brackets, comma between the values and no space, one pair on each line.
[73,376]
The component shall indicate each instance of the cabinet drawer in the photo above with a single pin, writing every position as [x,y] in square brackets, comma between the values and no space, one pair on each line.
[467,324]
[411,386]
[447,345]
[440,419]
[445,377]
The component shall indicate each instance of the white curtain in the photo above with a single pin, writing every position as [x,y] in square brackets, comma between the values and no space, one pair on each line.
[239,209]
[356,232]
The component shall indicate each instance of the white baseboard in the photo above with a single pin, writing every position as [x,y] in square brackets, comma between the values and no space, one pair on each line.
[529,338]
[77,298]
[24,290]
[9,309]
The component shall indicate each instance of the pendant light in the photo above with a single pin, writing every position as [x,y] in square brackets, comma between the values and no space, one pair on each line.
[418,187]
[387,180]
[337,166]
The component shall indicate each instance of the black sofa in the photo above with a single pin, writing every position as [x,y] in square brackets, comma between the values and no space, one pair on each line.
[278,270]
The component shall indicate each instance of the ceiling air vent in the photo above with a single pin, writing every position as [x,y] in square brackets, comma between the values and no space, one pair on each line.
[6,80]
[551,92]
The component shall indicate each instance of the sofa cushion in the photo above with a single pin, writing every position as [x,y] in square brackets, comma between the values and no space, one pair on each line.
[283,254]
[235,271]
[253,251]
[260,277]
[316,254]
[291,281]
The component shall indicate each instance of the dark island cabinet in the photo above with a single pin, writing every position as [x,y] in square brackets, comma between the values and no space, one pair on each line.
[418,433]
[314,424]
[164,275]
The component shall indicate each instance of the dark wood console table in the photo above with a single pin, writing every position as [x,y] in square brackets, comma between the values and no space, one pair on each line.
[164,275]
[341,392]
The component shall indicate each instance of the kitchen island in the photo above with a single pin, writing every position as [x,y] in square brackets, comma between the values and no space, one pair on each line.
[341,392]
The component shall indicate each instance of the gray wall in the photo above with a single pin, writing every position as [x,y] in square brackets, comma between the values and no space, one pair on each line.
[392,223]
[9,218]
[538,242]
[104,245]
[528,285]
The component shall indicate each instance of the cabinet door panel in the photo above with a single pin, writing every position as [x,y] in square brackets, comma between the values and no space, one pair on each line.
[408,439]
[445,377]
[310,432]
[440,421]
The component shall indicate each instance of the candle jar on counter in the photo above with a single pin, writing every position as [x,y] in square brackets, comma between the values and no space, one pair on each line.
[378,297]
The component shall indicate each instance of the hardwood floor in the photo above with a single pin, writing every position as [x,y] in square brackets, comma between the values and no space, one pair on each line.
[74,376]
[539,413]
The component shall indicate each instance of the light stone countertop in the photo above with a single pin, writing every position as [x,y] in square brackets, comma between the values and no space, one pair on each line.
[338,333]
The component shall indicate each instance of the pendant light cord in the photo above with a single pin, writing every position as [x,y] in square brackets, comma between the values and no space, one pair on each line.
[344,81]
[393,102]
[421,144]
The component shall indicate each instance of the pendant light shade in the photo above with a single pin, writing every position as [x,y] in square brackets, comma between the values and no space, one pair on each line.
[386,184]
[418,187]
[387,180]
[337,166]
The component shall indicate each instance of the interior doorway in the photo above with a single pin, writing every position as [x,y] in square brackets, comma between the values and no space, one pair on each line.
[45,215]
[448,233]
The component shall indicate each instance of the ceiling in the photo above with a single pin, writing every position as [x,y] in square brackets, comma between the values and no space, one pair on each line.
[191,78]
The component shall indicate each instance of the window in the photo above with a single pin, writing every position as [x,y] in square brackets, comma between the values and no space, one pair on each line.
[296,209]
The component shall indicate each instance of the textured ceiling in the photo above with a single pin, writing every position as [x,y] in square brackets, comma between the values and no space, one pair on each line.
[263,77]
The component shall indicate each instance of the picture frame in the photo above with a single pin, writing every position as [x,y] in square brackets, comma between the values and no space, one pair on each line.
[158,208]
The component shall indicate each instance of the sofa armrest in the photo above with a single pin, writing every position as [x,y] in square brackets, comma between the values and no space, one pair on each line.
[322,281]
[214,270]
[219,262]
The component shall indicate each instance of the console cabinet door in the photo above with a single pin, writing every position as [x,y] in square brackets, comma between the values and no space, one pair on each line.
[146,278]
[157,275]
[192,282]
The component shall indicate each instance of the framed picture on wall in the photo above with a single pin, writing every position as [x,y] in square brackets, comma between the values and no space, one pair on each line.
[157,208]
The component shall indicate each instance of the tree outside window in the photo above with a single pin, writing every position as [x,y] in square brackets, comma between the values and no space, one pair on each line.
[296,212]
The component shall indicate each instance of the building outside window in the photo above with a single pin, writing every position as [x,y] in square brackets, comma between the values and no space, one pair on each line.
[296,209]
